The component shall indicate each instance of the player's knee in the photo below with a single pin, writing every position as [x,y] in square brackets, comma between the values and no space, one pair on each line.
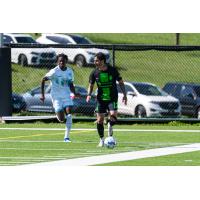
[100,121]
[69,118]
[112,120]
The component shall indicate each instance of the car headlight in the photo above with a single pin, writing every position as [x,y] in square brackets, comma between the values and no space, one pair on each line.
[35,53]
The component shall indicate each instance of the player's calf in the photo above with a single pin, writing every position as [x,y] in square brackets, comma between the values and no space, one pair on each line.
[111,122]
[61,117]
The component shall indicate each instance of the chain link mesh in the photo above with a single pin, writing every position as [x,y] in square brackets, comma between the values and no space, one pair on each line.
[136,64]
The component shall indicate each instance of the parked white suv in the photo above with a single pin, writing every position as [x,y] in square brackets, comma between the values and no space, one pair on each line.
[29,56]
[148,100]
[79,56]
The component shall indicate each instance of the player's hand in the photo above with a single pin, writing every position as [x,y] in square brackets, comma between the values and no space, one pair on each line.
[42,98]
[124,100]
[73,96]
[88,98]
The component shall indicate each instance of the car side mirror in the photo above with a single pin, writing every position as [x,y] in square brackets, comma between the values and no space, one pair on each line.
[131,93]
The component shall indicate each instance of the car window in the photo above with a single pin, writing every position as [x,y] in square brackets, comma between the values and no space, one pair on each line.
[128,88]
[38,90]
[21,39]
[7,39]
[170,88]
[80,90]
[47,89]
[80,40]
[59,40]
[149,90]
[187,91]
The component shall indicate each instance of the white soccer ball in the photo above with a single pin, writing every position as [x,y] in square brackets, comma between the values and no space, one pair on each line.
[110,142]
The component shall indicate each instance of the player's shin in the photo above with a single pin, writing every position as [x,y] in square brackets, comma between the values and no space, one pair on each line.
[100,129]
[111,123]
[68,125]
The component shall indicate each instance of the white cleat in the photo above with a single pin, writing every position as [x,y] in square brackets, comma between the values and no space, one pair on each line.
[101,143]
[67,140]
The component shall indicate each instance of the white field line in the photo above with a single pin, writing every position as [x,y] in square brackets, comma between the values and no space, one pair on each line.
[93,129]
[103,159]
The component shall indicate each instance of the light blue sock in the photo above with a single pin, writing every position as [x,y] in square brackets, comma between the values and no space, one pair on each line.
[68,125]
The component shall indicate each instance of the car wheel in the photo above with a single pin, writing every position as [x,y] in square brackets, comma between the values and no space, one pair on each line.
[22,60]
[140,112]
[80,60]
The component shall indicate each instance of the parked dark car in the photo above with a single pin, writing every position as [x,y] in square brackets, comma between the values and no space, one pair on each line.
[188,95]
[18,103]
[34,104]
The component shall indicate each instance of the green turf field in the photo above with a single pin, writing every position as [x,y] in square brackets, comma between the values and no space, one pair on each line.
[43,142]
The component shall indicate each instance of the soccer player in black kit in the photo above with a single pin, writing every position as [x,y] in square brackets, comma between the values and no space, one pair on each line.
[107,94]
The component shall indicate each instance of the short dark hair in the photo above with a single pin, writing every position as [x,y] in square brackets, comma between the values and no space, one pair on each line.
[101,56]
[62,55]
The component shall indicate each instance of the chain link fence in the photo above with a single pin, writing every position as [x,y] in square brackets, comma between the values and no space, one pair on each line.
[146,69]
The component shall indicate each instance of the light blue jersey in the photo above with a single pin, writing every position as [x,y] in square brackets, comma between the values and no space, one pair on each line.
[60,90]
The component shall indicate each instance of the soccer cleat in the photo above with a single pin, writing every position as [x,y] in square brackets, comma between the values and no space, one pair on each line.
[67,140]
[101,143]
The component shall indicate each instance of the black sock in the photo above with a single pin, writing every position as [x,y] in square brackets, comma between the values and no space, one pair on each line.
[100,129]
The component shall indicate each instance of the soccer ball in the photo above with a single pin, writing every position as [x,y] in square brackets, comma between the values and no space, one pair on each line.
[110,142]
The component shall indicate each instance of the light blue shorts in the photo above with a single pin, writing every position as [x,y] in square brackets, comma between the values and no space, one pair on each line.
[61,103]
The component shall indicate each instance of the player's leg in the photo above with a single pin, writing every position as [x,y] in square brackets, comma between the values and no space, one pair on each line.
[68,124]
[101,110]
[60,114]
[112,117]
[100,128]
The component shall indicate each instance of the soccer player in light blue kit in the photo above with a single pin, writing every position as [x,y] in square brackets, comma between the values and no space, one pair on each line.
[62,92]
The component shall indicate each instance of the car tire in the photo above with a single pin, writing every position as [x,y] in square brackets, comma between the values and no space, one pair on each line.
[23,60]
[80,61]
[140,112]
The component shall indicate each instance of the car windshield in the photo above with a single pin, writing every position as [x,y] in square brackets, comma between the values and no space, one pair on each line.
[25,39]
[80,90]
[149,90]
[59,40]
[80,40]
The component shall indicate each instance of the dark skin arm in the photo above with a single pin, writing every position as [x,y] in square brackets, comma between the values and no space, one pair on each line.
[72,89]
[44,79]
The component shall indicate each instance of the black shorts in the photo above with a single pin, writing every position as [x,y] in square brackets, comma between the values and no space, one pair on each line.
[104,107]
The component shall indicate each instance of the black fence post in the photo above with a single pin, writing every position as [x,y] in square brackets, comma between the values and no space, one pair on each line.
[113,55]
[5,82]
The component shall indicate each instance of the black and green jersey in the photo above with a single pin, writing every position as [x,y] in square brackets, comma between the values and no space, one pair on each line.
[106,83]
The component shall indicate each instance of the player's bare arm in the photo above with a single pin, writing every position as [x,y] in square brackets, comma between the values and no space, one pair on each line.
[42,98]
[122,87]
[72,89]
[90,89]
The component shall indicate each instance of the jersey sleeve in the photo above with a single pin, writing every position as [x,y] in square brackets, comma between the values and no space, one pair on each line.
[49,74]
[92,78]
